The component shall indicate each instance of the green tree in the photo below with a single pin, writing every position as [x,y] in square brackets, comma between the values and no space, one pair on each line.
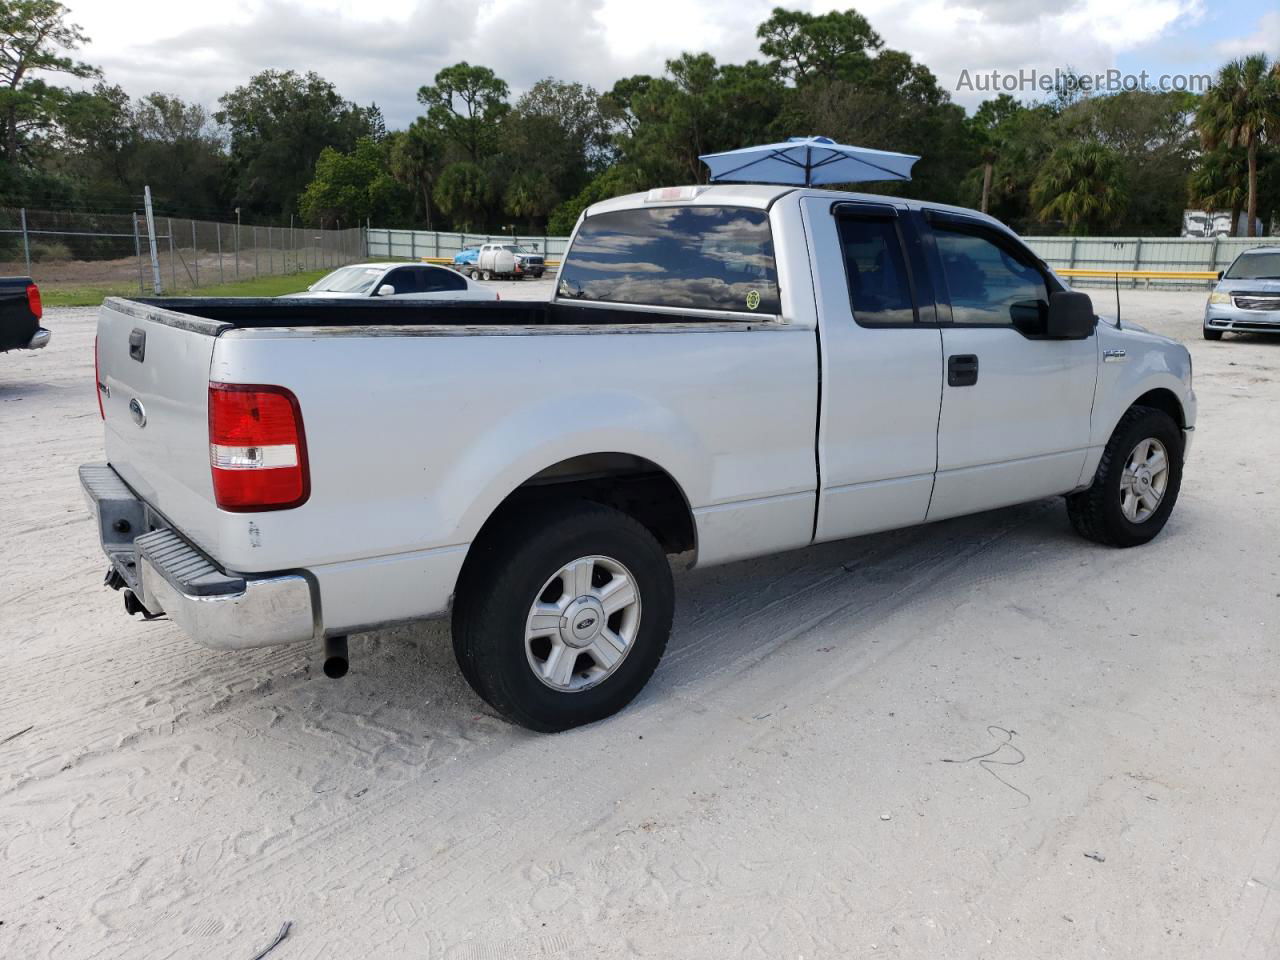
[32,35]
[466,104]
[807,47]
[464,192]
[1242,109]
[416,155]
[1217,182]
[1154,136]
[554,140]
[353,187]
[1080,187]
[613,182]
[278,123]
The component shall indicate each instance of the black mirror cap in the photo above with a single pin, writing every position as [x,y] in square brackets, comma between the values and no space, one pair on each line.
[1071,315]
[1220,273]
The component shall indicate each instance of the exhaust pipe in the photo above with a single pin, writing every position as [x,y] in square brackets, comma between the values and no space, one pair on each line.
[336,663]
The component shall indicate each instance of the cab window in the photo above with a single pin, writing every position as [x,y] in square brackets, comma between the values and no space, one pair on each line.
[990,282]
[876,271]
[704,258]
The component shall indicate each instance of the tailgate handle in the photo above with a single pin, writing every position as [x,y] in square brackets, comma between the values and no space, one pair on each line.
[138,345]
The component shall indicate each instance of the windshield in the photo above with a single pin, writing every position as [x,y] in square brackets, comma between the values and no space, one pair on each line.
[349,280]
[1255,266]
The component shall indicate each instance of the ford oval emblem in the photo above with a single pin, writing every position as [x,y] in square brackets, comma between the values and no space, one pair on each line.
[138,412]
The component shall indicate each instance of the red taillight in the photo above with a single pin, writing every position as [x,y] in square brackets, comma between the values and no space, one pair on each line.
[257,449]
[97,379]
[33,301]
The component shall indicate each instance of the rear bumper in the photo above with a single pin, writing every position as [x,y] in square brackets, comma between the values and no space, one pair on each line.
[169,575]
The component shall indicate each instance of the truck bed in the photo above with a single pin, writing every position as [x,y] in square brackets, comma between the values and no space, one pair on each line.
[260,312]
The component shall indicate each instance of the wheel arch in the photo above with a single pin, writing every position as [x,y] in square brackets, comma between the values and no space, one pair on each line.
[632,484]
[1164,399]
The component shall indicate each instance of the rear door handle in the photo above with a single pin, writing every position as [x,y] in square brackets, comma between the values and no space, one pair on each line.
[138,345]
[962,370]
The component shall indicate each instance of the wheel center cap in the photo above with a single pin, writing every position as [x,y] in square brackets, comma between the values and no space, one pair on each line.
[582,622]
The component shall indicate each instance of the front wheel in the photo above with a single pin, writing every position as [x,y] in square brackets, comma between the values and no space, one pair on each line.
[562,614]
[1212,334]
[1137,482]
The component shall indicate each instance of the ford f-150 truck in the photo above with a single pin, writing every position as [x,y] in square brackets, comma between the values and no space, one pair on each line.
[723,372]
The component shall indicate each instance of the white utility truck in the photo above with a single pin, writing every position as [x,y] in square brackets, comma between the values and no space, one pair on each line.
[723,372]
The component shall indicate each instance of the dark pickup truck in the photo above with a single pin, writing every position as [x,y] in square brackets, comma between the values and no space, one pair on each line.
[20,313]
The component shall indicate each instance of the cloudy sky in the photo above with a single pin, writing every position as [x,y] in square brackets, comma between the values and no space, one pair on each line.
[383,51]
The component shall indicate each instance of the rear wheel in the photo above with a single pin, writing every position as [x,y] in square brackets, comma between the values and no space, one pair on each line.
[563,614]
[486,275]
[1137,482]
[1212,334]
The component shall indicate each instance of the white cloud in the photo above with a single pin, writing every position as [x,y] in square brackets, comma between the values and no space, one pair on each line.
[1264,39]
[384,51]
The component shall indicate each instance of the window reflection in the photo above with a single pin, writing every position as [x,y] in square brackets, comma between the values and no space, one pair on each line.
[711,258]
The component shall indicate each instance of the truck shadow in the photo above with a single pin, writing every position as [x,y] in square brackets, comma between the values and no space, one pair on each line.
[729,615]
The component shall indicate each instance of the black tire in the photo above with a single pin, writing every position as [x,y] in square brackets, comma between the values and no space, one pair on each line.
[505,573]
[1096,512]
[1212,334]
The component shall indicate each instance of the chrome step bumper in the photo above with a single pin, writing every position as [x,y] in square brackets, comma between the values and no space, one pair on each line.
[226,611]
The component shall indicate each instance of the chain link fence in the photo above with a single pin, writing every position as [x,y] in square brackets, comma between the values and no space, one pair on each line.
[70,250]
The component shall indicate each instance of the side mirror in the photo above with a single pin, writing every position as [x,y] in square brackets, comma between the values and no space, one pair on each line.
[386,290]
[1220,273]
[1071,315]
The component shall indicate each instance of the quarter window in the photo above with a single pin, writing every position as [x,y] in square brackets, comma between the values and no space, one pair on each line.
[705,258]
[990,285]
[439,280]
[876,270]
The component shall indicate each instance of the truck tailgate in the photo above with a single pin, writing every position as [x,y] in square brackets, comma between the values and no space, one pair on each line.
[153,373]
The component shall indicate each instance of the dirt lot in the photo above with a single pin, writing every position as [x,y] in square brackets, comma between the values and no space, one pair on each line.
[781,789]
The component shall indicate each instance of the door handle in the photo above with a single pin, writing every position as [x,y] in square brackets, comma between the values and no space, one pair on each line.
[962,370]
[138,345]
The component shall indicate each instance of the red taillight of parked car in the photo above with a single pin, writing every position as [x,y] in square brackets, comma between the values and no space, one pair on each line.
[257,448]
[33,301]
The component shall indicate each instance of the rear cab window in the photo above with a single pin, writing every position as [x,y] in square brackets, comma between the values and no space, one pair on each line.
[695,258]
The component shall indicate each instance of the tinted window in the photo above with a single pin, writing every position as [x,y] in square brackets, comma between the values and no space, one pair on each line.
[713,258]
[1255,266]
[876,269]
[990,284]
[437,280]
[405,280]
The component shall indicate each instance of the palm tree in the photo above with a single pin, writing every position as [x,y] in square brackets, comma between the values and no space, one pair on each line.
[1215,183]
[1240,110]
[1080,185]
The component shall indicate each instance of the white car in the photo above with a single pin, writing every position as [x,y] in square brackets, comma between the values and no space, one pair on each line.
[397,281]
[724,372]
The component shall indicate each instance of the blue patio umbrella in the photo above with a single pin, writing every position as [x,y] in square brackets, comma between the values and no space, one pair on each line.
[808,161]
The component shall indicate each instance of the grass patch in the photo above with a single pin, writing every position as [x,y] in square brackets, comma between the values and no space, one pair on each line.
[272,286]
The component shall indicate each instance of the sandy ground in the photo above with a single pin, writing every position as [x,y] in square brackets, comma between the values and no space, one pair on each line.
[781,789]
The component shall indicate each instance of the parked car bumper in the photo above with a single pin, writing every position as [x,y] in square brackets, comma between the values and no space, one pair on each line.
[1227,316]
[167,575]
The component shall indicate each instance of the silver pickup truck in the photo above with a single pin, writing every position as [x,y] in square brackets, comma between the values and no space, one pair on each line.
[723,372]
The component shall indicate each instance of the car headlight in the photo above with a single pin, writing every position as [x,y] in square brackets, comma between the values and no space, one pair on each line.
[1219,296]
